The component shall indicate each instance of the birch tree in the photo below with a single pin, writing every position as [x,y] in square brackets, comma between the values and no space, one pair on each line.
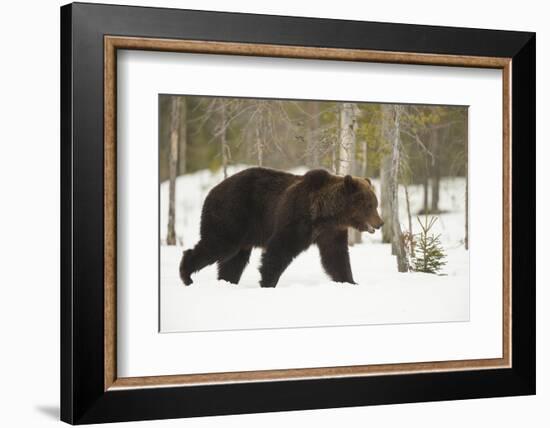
[177,117]
[435,170]
[312,134]
[364,158]
[347,145]
[385,171]
[409,218]
[395,112]
[426,187]
[385,197]
[348,128]
[334,154]
[259,143]
[224,148]
[362,173]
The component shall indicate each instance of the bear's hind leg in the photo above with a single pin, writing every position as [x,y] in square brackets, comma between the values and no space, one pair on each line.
[333,247]
[231,269]
[186,267]
[202,255]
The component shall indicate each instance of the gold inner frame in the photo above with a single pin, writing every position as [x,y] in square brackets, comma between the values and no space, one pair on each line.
[113,43]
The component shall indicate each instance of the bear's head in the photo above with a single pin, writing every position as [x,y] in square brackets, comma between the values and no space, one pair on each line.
[361,204]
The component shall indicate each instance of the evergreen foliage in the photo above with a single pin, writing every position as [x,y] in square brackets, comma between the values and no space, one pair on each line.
[429,255]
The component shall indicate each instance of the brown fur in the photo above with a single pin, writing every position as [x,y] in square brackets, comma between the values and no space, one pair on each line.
[284,214]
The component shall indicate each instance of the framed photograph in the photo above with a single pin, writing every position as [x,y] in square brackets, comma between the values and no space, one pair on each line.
[266,213]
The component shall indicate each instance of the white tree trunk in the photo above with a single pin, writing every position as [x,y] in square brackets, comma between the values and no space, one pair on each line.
[259,145]
[258,133]
[312,134]
[364,160]
[385,169]
[385,197]
[334,157]
[402,265]
[435,170]
[348,127]
[182,150]
[175,121]
[348,130]
[223,138]
[409,217]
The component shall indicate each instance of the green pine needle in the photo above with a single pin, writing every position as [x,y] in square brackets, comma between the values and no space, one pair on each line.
[429,255]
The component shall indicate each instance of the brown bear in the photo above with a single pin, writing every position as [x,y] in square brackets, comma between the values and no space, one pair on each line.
[284,214]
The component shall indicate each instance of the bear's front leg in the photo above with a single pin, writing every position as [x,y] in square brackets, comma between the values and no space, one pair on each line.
[281,249]
[333,247]
[274,264]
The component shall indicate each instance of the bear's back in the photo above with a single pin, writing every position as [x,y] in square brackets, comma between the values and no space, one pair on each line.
[244,204]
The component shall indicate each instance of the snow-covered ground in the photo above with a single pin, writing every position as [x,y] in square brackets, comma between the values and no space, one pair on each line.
[305,297]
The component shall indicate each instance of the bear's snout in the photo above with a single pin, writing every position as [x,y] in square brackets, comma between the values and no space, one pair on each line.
[373,224]
[375,221]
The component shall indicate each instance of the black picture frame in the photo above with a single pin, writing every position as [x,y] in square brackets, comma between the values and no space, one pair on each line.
[83,398]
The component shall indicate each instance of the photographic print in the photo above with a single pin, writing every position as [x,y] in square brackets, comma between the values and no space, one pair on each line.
[280,213]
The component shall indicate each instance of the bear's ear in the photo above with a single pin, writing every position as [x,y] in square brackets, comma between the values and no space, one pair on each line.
[350,184]
[316,178]
[367,179]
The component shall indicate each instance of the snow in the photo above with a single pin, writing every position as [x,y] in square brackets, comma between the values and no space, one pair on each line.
[305,296]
